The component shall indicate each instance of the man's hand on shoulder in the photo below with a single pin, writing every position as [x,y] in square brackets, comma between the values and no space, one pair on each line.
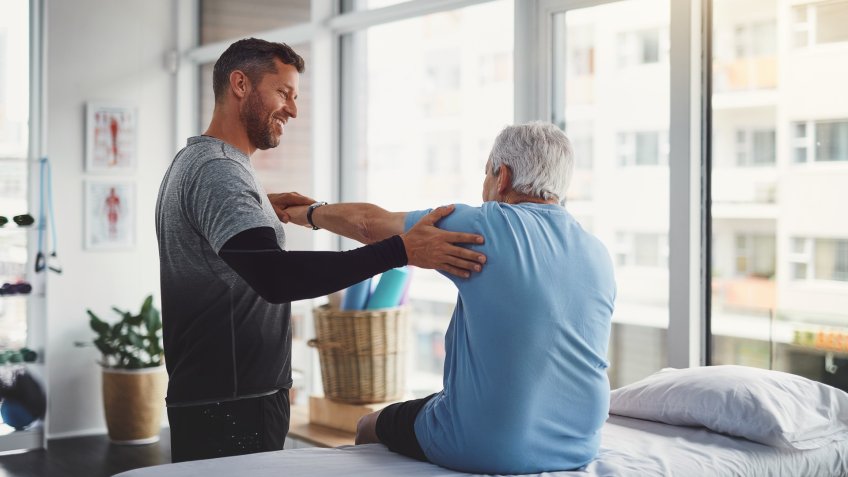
[427,246]
[287,206]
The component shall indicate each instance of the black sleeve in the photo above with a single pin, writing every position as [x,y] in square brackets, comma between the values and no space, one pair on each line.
[279,276]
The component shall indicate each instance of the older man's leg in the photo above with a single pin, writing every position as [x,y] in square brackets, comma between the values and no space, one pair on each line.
[394,427]
[366,429]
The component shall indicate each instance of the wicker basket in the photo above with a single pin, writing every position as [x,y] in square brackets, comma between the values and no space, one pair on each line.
[362,353]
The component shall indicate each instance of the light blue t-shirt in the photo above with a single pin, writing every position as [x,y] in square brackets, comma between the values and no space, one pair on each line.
[525,383]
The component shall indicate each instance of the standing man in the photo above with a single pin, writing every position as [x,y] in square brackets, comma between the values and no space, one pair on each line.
[227,282]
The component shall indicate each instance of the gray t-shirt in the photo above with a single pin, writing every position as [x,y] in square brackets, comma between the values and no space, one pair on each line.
[222,340]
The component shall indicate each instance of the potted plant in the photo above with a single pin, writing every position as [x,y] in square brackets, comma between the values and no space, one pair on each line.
[134,378]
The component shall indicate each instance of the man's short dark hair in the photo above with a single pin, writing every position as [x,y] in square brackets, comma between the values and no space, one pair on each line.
[255,58]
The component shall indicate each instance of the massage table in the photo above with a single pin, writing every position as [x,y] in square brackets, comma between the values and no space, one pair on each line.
[629,447]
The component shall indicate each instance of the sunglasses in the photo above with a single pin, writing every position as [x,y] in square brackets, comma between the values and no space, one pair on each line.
[22,220]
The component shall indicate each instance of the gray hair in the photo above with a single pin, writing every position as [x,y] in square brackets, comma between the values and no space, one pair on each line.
[540,157]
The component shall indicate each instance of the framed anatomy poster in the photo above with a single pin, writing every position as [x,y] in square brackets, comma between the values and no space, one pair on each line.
[109,214]
[111,137]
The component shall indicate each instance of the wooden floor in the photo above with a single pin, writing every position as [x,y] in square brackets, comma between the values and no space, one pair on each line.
[91,456]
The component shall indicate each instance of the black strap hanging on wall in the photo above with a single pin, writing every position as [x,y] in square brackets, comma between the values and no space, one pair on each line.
[45,211]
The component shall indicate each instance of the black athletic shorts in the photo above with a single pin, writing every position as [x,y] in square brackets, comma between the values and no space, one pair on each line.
[227,428]
[396,427]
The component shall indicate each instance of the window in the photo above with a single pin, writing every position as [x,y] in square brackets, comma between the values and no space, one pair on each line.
[443,70]
[745,49]
[831,259]
[755,147]
[755,255]
[495,68]
[14,145]
[584,147]
[779,265]
[222,20]
[800,257]
[800,144]
[819,259]
[801,25]
[818,23]
[755,39]
[581,51]
[642,47]
[643,148]
[831,18]
[422,119]
[444,155]
[638,249]
[830,143]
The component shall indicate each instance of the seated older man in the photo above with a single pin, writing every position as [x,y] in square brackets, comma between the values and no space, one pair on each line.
[525,384]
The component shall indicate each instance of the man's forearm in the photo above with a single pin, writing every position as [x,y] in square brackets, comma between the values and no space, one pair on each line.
[363,222]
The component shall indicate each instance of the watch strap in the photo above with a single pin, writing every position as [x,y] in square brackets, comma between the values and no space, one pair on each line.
[309,214]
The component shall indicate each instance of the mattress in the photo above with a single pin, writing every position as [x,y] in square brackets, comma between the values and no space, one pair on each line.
[629,447]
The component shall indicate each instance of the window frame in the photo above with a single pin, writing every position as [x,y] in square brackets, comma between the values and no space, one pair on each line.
[627,251]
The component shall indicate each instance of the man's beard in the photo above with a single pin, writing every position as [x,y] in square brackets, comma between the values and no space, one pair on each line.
[260,129]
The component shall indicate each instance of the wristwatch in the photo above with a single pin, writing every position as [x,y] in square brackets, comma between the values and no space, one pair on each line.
[309,213]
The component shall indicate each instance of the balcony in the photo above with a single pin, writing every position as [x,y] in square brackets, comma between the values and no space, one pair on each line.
[745,74]
[745,293]
[745,82]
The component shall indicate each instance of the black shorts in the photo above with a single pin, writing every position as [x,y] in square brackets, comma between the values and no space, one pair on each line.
[227,428]
[396,427]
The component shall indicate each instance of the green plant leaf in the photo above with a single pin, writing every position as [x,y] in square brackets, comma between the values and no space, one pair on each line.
[117,328]
[153,320]
[155,347]
[146,308]
[104,346]
[99,326]
[134,363]
[135,339]
[134,320]
[134,342]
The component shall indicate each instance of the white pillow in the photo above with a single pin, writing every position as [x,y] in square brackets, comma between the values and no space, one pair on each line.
[769,407]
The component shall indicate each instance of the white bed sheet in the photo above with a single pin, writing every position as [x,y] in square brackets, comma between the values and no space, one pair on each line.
[630,447]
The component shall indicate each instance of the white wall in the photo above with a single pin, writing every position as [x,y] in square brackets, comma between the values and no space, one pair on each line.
[100,50]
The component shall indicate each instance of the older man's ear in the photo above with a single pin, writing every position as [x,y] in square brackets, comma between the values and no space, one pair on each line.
[504,179]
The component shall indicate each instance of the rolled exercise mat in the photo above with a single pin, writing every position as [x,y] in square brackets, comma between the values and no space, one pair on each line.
[356,297]
[389,289]
[404,297]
